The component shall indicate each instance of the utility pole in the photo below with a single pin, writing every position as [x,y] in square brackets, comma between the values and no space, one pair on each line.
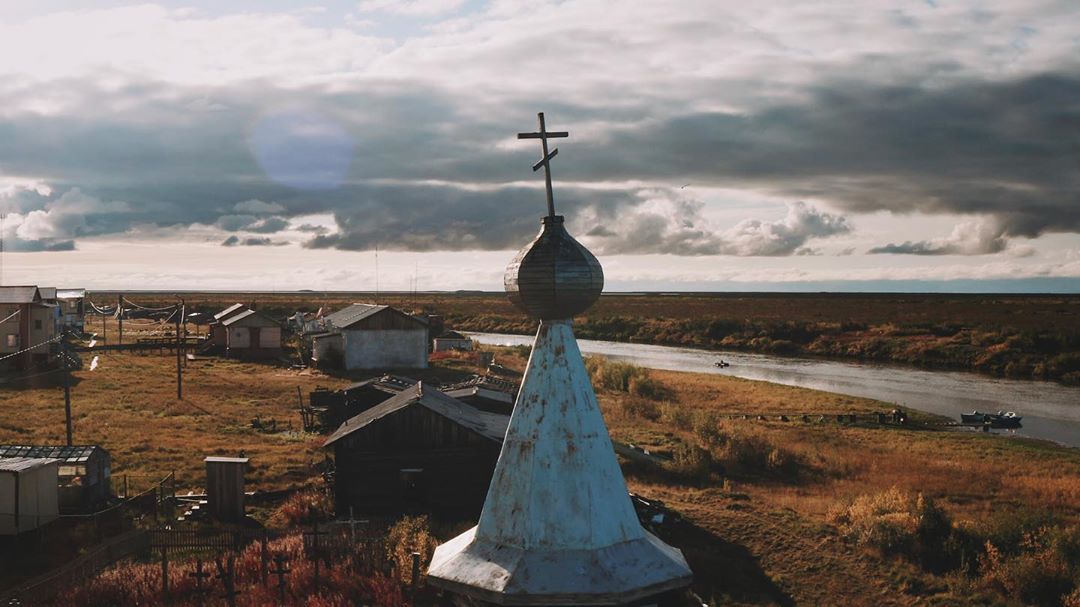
[67,388]
[179,356]
[120,315]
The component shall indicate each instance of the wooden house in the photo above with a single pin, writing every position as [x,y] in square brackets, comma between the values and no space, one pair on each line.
[28,494]
[27,328]
[250,335]
[452,340]
[364,336]
[217,330]
[83,476]
[72,304]
[419,451]
[334,407]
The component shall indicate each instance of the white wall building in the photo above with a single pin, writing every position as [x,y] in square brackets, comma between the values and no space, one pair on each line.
[28,494]
[367,336]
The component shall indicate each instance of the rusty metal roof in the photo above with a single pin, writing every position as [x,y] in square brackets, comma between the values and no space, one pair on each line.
[489,425]
[71,455]
[19,295]
[558,527]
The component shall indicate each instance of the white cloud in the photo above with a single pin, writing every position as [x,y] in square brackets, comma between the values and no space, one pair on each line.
[412,8]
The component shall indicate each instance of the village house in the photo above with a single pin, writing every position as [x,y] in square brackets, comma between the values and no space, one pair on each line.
[28,494]
[27,329]
[251,335]
[365,336]
[217,330]
[452,340]
[72,304]
[83,475]
[418,451]
[335,406]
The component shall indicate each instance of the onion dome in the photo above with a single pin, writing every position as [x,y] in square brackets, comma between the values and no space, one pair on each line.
[555,277]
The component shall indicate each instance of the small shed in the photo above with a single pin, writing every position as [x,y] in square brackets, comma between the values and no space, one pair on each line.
[84,478]
[452,340]
[420,451]
[251,335]
[225,487]
[28,494]
[367,336]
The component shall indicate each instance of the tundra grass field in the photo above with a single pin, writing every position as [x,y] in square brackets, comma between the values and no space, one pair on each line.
[1020,336]
[775,512]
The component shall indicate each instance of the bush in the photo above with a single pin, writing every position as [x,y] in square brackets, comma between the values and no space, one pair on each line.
[623,377]
[693,463]
[408,535]
[642,408]
[885,521]
[1045,570]
[302,508]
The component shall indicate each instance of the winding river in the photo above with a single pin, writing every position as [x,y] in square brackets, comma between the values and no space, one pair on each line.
[1051,411]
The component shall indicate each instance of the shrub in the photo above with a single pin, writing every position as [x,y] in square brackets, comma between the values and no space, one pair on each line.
[642,408]
[677,415]
[302,508]
[693,463]
[707,428]
[1044,571]
[884,521]
[618,376]
[408,535]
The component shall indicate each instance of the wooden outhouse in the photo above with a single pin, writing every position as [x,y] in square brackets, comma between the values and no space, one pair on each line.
[28,494]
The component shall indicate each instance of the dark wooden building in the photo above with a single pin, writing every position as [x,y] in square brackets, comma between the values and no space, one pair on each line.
[419,451]
[335,406]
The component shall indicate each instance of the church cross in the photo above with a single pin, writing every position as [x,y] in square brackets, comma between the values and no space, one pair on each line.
[543,135]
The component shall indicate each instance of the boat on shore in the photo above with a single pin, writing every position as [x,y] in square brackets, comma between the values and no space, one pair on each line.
[1001,419]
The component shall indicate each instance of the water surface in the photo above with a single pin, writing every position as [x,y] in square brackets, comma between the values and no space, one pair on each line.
[1051,411]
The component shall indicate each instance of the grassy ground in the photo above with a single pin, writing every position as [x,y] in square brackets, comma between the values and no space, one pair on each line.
[760,496]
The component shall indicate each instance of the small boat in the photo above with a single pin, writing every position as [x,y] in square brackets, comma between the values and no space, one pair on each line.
[721,364]
[1001,419]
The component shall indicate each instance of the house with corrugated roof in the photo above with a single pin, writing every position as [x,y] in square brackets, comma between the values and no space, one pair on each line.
[368,336]
[251,335]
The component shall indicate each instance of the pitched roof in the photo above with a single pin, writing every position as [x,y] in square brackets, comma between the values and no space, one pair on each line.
[233,309]
[47,292]
[348,316]
[19,295]
[22,464]
[387,383]
[235,318]
[451,335]
[72,454]
[491,426]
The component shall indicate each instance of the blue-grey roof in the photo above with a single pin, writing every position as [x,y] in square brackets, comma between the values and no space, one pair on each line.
[19,295]
[346,317]
[72,454]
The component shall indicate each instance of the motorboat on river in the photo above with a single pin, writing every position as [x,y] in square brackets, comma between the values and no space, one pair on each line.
[1001,419]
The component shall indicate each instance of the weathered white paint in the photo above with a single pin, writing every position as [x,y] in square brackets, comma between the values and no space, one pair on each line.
[557,527]
[37,491]
[385,349]
[239,337]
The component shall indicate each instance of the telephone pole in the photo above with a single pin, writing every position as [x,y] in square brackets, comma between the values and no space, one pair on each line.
[179,356]
[67,388]
[120,316]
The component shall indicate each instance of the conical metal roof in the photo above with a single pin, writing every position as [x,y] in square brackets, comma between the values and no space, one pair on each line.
[558,527]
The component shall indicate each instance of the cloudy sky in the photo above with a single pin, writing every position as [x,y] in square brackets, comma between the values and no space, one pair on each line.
[714,145]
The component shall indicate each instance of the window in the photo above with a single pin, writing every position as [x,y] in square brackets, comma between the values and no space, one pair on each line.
[37,325]
[12,340]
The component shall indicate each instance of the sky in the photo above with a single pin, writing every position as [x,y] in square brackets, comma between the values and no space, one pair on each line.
[277,144]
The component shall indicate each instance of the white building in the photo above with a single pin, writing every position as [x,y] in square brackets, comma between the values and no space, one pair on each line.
[28,493]
[365,336]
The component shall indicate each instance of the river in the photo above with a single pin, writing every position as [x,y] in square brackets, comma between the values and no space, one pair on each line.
[1051,411]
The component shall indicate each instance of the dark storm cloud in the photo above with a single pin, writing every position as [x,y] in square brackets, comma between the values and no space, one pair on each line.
[36,246]
[1005,150]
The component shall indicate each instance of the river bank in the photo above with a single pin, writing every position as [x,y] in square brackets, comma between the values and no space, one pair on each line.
[1051,411]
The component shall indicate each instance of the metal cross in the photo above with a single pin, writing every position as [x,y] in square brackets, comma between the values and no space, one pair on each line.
[543,135]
